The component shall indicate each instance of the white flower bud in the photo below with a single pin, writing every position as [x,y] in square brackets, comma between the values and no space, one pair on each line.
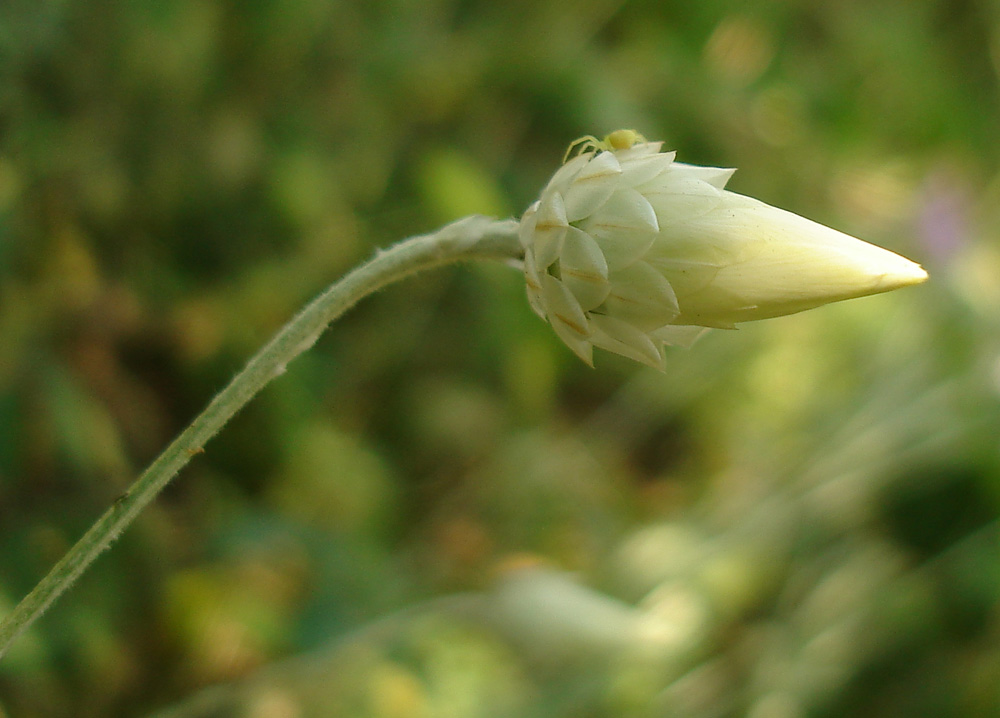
[629,250]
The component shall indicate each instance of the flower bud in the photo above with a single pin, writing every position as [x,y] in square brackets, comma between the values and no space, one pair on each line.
[629,250]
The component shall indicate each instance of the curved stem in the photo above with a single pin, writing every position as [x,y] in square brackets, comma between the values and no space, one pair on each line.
[470,238]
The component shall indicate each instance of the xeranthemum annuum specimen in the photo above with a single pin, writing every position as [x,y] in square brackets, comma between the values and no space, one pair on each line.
[628,250]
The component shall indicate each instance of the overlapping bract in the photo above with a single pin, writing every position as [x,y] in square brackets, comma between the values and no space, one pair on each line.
[629,250]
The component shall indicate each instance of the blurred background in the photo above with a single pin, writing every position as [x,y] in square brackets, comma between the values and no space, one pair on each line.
[439,511]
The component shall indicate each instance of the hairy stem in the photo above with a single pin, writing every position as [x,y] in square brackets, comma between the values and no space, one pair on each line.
[471,238]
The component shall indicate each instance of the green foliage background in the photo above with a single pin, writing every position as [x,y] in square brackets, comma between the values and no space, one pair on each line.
[439,511]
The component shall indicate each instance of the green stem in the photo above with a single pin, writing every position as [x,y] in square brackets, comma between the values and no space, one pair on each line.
[471,238]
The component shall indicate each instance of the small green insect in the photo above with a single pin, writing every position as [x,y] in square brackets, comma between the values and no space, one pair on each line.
[617,140]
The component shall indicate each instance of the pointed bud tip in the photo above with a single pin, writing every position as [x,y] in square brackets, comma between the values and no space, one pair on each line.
[902,273]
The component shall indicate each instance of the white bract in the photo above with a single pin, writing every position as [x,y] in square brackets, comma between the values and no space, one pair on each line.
[629,250]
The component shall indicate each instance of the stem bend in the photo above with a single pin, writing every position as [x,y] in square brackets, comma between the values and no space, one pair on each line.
[474,237]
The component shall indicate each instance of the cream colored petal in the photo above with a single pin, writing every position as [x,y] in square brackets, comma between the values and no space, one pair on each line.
[715,176]
[583,269]
[690,263]
[535,302]
[645,168]
[526,227]
[562,305]
[550,229]
[678,197]
[592,186]
[583,349]
[600,167]
[640,150]
[641,296]
[678,335]
[625,228]
[564,175]
[622,338]
[566,317]
[533,283]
